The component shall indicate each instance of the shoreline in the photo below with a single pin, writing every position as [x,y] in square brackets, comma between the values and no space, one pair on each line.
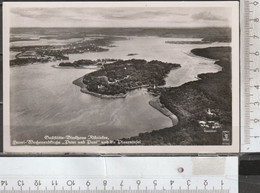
[155,103]
[83,89]
[191,102]
[198,56]
[70,67]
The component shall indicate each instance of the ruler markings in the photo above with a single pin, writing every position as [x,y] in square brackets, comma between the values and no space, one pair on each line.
[247,60]
[250,76]
[119,191]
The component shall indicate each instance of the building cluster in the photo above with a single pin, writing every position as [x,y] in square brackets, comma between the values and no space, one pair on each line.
[211,125]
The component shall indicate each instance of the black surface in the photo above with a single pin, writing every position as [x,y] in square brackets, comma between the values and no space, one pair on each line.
[250,167]
[249,173]
[249,184]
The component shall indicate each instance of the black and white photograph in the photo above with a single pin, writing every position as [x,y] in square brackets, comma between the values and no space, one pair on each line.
[121,77]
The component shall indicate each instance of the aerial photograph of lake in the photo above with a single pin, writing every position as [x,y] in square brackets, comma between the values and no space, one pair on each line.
[112,76]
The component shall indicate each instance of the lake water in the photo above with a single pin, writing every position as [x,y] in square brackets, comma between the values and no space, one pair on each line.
[45,102]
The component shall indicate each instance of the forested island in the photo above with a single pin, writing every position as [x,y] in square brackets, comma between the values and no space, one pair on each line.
[86,62]
[124,75]
[197,105]
[46,53]
[78,63]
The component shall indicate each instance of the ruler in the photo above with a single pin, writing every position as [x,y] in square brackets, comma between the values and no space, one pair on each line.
[119,175]
[250,75]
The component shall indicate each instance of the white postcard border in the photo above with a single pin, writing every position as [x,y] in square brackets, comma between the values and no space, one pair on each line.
[123,149]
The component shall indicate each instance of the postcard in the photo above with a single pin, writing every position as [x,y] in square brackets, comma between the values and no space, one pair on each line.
[121,77]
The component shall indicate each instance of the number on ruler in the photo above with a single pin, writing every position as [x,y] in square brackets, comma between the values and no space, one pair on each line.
[88,184]
[254,3]
[188,184]
[255,53]
[104,184]
[37,183]
[222,184]
[138,182]
[4,183]
[54,182]
[255,19]
[70,183]
[205,184]
[155,183]
[20,183]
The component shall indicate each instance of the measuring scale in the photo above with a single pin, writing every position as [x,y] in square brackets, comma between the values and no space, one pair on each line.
[119,175]
[250,76]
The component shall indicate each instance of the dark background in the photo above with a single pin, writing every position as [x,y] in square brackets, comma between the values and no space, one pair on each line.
[249,173]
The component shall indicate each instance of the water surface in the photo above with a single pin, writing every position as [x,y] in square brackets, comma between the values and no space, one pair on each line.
[45,102]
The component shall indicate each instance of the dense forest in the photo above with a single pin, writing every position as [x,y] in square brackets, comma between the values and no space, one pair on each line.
[124,75]
[190,103]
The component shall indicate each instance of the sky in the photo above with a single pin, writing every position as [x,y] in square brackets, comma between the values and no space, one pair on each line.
[172,17]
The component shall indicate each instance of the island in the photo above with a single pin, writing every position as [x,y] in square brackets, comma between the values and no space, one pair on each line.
[87,62]
[33,54]
[78,63]
[47,53]
[132,54]
[116,78]
[203,107]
